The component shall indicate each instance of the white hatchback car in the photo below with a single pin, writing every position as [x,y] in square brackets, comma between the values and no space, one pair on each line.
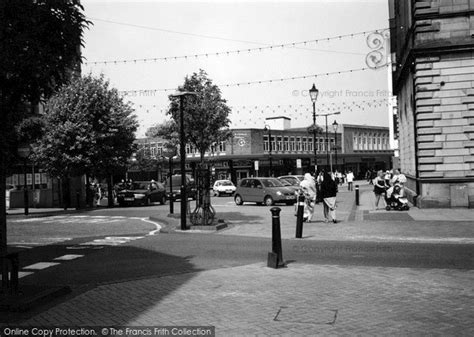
[223,187]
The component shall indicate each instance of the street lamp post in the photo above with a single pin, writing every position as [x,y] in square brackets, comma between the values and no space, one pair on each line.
[24,153]
[182,154]
[327,135]
[267,128]
[335,126]
[313,93]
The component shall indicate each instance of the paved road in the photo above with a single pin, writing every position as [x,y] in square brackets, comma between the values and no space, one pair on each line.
[331,286]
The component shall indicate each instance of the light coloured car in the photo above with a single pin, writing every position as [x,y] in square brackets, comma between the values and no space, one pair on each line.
[223,187]
[263,190]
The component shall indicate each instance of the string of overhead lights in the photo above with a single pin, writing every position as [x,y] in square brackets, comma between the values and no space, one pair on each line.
[151,92]
[239,51]
[342,103]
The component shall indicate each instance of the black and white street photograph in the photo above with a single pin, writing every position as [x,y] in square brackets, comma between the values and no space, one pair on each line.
[236,168]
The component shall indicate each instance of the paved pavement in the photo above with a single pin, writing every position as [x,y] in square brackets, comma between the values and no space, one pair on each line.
[301,299]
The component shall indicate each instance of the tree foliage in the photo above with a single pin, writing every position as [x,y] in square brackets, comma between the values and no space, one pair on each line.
[87,129]
[206,116]
[40,44]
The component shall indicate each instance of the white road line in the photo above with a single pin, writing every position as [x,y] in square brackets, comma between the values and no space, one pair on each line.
[68,257]
[153,232]
[41,265]
[24,273]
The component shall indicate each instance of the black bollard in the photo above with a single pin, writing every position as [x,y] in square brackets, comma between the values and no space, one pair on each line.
[275,258]
[299,217]
[357,194]
[78,200]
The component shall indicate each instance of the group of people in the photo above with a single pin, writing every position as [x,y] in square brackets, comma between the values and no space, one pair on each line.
[342,177]
[322,189]
[388,185]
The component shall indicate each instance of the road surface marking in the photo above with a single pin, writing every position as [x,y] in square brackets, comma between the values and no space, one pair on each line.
[153,232]
[111,241]
[68,257]
[41,265]
[24,273]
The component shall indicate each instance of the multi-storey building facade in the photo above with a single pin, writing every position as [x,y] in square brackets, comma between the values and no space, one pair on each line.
[286,150]
[432,46]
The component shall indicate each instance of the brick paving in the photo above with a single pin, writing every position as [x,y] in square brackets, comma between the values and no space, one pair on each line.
[297,300]
[302,299]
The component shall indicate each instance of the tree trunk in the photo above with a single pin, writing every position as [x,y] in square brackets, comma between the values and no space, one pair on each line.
[66,192]
[3,227]
[110,196]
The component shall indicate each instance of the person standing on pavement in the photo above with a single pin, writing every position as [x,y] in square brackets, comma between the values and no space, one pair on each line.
[350,180]
[308,186]
[380,188]
[329,191]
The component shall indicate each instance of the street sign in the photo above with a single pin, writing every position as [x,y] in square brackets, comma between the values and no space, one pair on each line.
[256,165]
[298,163]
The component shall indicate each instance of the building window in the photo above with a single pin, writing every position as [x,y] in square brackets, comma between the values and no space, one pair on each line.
[310,144]
[222,147]
[292,144]
[286,145]
[298,144]
[279,143]
[266,148]
[305,144]
[272,139]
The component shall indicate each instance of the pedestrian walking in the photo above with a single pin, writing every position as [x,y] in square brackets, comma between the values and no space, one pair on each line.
[98,194]
[308,187]
[380,188]
[329,191]
[350,180]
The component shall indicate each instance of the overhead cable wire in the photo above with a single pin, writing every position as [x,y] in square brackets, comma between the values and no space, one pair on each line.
[149,92]
[265,46]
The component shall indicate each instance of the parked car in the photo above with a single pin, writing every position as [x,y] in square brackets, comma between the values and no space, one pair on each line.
[293,179]
[142,192]
[223,187]
[287,183]
[263,190]
[191,191]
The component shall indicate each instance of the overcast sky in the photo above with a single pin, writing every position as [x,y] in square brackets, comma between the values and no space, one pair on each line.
[130,30]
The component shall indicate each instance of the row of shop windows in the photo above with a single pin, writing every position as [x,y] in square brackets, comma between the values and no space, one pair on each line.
[33,180]
[368,142]
[290,144]
[156,149]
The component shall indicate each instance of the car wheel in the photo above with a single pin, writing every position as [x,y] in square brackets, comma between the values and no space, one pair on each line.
[238,200]
[406,207]
[268,201]
[163,200]
[388,208]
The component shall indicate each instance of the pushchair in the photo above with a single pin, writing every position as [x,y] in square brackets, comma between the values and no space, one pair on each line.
[396,199]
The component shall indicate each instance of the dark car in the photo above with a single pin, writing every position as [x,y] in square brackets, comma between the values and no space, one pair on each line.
[263,190]
[142,192]
[191,191]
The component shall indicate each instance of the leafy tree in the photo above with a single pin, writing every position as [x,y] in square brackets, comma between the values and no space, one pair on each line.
[40,44]
[168,131]
[88,129]
[206,116]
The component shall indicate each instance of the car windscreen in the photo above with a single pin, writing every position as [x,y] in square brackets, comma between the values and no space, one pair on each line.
[272,183]
[140,186]
[227,183]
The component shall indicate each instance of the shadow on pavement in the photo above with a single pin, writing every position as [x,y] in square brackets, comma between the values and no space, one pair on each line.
[89,267]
